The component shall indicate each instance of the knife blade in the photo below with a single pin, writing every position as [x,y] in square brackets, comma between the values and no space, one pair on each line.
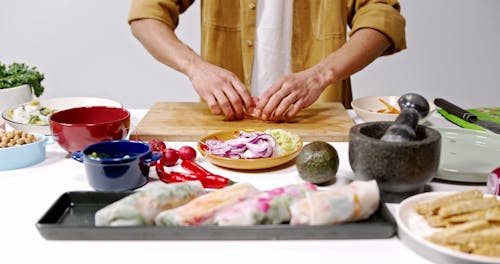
[467,116]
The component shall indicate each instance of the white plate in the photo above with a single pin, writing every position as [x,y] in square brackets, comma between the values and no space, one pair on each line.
[58,103]
[467,155]
[412,228]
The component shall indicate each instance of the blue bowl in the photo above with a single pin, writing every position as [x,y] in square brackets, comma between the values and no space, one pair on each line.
[117,165]
[12,158]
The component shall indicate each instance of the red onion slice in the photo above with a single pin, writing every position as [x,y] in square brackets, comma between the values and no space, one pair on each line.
[248,145]
[493,183]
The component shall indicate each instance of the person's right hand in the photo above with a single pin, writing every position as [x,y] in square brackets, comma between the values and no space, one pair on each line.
[221,89]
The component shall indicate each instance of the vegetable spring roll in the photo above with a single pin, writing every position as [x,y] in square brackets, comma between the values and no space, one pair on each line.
[271,207]
[202,210]
[355,201]
[141,207]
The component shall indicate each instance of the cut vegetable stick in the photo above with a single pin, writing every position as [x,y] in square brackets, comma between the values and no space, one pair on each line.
[433,206]
[468,206]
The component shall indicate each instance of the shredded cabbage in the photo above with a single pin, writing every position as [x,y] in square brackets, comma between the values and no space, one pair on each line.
[286,141]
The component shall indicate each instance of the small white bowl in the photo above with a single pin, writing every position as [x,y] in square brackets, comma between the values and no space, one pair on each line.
[10,97]
[366,108]
[58,103]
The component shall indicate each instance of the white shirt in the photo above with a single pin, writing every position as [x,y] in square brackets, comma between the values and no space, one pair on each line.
[272,44]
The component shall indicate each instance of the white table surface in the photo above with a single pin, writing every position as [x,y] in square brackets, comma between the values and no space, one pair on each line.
[27,193]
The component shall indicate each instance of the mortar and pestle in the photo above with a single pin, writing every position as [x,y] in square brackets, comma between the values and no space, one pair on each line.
[402,156]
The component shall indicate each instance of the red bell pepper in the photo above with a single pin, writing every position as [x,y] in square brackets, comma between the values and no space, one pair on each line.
[195,168]
[207,179]
[203,174]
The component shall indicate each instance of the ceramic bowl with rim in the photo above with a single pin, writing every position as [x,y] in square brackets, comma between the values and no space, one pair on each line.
[366,108]
[22,156]
[467,155]
[76,128]
[56,103]
[244,164]
[117,165]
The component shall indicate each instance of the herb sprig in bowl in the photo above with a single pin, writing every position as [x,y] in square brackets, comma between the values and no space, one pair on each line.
[18,74]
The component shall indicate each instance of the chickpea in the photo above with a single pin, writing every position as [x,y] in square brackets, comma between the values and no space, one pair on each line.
[15,138]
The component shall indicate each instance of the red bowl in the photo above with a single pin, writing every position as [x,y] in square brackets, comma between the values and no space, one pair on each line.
[75,128]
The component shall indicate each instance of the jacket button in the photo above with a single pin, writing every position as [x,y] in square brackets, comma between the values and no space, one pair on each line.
[249,43]
[251,6]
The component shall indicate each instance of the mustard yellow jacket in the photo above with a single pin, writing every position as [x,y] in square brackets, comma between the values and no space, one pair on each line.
[319,28]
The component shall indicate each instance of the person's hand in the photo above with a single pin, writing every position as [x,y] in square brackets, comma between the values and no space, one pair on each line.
[221,89]
[290,94]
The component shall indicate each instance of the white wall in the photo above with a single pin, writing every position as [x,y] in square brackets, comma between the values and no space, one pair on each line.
[85,48]
[453,52]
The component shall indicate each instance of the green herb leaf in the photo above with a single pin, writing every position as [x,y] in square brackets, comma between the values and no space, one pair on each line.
[18,74]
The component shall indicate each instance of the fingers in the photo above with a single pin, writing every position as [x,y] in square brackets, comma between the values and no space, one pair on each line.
[224,103]
[213,105]
[279,103]
[243,93]
[269,100]
[222,91]
[287,109]
[218,102]
[232,102]
[294,110]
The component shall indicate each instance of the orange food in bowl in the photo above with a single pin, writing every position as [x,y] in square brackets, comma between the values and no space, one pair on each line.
[382,108]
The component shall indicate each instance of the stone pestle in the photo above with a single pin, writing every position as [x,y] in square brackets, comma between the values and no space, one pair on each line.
[413,108]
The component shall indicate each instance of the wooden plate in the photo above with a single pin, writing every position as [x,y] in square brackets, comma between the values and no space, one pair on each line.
[244,164]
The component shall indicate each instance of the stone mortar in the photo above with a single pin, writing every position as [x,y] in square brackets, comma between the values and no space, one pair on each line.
[397,166]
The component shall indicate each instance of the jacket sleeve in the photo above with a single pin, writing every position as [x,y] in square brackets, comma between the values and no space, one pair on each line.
[381,15]
[166,11]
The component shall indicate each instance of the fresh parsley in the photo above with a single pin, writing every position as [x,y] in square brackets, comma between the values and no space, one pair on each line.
[18,74]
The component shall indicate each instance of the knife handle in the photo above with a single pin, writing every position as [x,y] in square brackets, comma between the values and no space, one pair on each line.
[453,109]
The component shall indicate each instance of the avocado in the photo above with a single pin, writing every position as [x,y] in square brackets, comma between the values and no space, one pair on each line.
[318,163]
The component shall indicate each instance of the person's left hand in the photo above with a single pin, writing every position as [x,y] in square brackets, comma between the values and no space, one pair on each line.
[290,94]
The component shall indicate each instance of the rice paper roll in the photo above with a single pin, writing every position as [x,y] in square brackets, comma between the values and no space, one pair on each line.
[352,202]
[141,207]
[271,207]
[202,210]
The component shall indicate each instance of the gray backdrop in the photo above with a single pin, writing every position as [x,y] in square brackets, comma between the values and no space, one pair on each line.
[85,48]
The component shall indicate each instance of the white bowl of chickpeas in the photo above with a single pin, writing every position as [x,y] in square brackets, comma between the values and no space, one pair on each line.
[20,149]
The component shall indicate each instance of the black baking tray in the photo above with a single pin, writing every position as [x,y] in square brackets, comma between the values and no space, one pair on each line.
[71,217]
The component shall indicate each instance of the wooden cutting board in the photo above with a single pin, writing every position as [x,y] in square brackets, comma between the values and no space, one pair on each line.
[190,121]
